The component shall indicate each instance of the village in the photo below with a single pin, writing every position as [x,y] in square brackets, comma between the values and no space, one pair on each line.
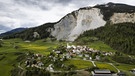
[54,62]
[56,59]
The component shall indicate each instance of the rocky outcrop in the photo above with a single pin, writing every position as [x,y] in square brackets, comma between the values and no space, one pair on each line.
[122,18]
[77,22]
[63,28]
[72,25]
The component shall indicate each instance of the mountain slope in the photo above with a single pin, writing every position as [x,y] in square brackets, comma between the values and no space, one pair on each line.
[70,27]
[119,36]
[43,30]
[12,31]
[77,22]
[110,8]
[87,18]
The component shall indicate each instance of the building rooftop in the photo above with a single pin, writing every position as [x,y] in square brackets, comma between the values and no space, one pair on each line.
[102,71]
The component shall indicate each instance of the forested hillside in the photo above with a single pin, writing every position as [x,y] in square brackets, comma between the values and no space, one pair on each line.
[12,31]
[109,9]
[27,34]
[119,36]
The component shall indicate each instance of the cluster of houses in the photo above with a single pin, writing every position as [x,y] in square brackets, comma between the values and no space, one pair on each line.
[82,52]
[71,51]
[34,61]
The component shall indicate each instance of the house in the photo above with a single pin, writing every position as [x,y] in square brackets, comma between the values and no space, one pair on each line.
[73,46]
[68,56]
[68,46]
[97,57]
[50,68]
[132,71]
[80,55]
[101,72]
[40,64]
[84,59]
[86,55]
[57,52]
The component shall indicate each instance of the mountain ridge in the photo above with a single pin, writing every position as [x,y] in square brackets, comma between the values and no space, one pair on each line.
[75,23]
[13,31]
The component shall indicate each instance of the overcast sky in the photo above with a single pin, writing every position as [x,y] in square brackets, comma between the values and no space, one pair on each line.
[30,13]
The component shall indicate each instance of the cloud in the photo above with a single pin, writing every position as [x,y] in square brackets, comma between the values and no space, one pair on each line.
[4,28]
[30,13]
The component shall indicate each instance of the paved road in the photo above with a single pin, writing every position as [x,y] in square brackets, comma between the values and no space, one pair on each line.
[115,67]
[93,63]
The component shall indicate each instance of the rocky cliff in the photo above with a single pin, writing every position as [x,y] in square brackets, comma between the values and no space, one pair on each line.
[72,25]
[75,23]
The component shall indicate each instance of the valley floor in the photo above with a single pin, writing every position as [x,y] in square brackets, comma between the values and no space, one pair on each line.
[13,52]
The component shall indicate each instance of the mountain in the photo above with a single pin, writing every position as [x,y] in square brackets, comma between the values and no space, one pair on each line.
[120,37]
[77,22]
[12,31]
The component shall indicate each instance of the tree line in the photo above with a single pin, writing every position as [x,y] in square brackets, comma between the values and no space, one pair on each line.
[120,37]
[43,31]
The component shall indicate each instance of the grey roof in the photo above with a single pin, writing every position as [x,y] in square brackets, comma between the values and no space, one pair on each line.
[102,71]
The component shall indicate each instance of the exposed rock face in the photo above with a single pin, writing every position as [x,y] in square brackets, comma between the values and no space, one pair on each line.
[75,23]
[86,18]
[122,17]
[64,27]
[72,25]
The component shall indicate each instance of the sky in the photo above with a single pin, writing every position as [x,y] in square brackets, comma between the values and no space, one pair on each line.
[31,13]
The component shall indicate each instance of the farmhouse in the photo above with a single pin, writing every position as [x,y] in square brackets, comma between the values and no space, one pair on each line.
[101,72]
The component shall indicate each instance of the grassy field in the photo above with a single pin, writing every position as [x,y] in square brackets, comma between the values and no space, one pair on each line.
[126,67]
[79,64]
[38,46]
[99,45]
[6,62]
[102,65]
[8,54]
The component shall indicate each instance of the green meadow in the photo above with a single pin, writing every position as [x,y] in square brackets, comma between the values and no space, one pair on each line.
[102,65]
[99,45]
[79,64]
[11,47]
[8,52]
